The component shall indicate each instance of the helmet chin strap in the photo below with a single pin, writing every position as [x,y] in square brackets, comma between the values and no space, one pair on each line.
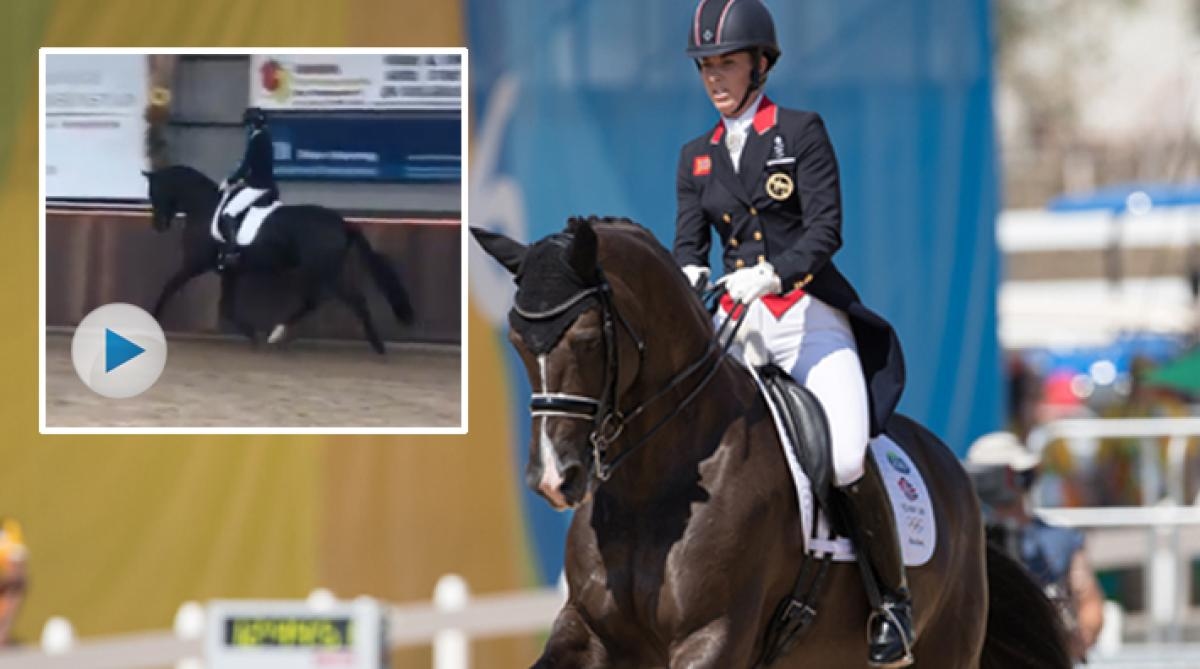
[756,81]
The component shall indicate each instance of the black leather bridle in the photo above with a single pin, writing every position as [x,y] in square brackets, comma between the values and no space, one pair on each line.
[608,420]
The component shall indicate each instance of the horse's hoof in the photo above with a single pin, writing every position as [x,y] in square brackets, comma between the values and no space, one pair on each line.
[277,334]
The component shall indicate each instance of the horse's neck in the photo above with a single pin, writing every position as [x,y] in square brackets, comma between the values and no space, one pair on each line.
[200,205]
[670,459]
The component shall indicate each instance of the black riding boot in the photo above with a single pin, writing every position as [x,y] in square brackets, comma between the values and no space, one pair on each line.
[228,254]
[890,628]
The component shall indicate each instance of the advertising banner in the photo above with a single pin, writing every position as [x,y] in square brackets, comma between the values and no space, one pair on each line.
[330,82]
[94,126]
[425,148]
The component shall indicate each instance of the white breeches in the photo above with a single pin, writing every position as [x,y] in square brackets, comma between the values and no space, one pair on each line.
[243,199]
[813,342]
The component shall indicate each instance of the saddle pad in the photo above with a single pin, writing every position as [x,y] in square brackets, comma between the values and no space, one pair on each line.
[251,223]
[214,226]
[910,498]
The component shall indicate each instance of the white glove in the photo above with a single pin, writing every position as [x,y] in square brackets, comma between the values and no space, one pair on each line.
[750,283]
[697,275]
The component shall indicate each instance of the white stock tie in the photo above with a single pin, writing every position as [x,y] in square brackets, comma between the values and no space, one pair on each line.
[734,141]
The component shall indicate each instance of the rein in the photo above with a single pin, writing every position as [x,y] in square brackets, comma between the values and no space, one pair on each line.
[608,420]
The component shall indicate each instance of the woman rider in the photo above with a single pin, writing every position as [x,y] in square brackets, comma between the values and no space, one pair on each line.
[766,179]
[257,171]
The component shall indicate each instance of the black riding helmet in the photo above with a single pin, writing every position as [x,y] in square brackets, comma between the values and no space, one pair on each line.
[254,116]
[726,26]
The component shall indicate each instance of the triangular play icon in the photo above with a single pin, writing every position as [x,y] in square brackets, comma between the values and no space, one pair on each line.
[118,350]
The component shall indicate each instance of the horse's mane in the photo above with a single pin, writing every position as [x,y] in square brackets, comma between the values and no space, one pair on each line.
[187,173]
[629,230]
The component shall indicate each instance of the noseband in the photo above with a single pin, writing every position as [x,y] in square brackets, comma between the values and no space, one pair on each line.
[608,421]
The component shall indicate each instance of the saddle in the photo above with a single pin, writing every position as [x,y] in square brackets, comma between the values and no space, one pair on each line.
[799,415]
[806,426]
[246,224]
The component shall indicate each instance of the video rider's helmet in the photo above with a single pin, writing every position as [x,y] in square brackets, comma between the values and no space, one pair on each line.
[254,117]
[726,26]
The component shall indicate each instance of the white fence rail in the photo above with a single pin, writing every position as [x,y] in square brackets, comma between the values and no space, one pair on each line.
[134,651]
[1169,526]
[449,623]
[1157,656]
[1080,431]
[454,618]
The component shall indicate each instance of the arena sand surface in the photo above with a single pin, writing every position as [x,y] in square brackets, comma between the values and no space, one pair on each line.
[228,383]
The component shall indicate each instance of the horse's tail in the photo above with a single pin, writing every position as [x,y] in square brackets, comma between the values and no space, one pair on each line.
[1024,629]
[385,276]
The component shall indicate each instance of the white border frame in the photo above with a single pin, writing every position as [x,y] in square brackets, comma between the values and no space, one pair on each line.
[245,51]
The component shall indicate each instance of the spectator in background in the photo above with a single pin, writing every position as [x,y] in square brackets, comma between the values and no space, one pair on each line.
[1024,393]
[1004,472]
[13,556]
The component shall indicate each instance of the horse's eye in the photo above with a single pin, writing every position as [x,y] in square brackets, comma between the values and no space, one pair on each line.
[586,340]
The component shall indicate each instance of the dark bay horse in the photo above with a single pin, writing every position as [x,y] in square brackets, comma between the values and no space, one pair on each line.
[313,241]
[686,534]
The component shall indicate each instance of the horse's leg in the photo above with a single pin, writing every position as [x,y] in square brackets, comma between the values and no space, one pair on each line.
[229,306]
[572,644]
[310,297]
[354,298]
[177,281]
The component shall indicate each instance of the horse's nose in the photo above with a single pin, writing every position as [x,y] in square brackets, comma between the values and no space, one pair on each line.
[574,482]
[563,485]
[533,476]
[550,484]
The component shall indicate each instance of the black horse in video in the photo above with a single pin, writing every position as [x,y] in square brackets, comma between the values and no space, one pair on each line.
[313,241]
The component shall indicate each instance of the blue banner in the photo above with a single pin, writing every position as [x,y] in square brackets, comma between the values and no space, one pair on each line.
[581,107]
[400,148]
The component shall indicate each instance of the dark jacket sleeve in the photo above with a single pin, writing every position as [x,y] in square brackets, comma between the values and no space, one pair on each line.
[258,152]
[243,168]
[263,153]
[692,236]
[820,203]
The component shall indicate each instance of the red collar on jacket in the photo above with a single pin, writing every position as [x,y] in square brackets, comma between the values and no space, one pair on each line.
[764,119]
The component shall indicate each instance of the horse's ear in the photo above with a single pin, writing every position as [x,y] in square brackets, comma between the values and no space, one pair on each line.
[508,252]
[582,254]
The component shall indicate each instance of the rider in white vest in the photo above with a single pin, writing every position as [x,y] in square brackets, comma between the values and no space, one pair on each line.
[765,178]
[257,175]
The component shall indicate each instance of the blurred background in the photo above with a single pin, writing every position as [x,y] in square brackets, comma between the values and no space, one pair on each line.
[1020,190]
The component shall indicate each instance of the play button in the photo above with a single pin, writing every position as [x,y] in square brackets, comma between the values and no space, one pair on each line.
[119,350]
